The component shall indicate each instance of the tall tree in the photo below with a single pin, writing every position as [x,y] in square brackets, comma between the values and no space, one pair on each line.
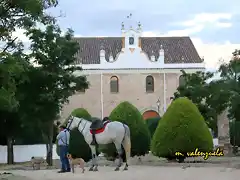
[53,81]
[213,97]
[12,74]
[230,77]
[196,86]
[13,64]
[23,15]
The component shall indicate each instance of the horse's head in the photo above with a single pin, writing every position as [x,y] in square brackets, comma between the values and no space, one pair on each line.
[71,123]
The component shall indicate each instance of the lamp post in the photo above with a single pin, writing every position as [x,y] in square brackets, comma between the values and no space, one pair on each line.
[158,105]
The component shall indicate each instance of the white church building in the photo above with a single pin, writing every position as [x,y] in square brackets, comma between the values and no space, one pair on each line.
[142,70]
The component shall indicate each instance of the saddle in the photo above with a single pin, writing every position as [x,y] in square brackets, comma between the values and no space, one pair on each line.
[96,127]
[96,124]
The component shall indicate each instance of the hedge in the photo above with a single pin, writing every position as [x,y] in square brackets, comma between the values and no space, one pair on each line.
[182,128]
[140,135]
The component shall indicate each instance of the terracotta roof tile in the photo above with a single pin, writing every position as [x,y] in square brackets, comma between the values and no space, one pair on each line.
[176,49]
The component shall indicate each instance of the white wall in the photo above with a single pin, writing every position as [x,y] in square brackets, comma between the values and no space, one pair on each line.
[23,153]
[215,142]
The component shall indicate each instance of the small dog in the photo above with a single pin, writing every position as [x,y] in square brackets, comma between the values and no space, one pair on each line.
[76,161]
[36,162]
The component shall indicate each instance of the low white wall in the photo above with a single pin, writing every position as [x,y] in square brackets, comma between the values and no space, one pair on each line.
[215,142]
[23,153]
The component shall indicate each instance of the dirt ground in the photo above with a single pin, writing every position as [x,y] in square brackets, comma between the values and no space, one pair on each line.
[134,173]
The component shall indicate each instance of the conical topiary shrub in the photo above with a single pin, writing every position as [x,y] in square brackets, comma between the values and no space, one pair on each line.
[140,136]
[79,112]
[77,145]
[181,129]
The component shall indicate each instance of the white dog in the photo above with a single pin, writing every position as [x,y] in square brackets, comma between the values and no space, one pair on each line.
[36,162]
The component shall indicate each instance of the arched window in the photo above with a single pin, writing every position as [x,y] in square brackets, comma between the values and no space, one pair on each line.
[182,80]
[149,84]
[114,84]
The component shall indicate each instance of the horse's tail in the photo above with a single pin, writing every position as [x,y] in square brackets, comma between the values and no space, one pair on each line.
[127,142]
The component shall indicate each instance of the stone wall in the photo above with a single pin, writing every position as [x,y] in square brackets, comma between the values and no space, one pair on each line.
[223,133]
[131,88]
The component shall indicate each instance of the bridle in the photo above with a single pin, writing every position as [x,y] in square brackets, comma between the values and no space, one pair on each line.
[70,121]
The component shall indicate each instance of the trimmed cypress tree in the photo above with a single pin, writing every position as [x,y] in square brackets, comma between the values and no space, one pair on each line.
[182,128]
[140,136]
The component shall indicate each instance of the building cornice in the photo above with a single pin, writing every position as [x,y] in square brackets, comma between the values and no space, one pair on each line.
[135,71]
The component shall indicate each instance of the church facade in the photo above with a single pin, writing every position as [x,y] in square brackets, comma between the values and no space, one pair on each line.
[142,70]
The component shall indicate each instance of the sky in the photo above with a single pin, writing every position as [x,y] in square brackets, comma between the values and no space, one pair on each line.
[212,25]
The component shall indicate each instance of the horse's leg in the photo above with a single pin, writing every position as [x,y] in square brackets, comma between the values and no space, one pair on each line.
[119,151]
[127,146]
[94,159]
[126,154]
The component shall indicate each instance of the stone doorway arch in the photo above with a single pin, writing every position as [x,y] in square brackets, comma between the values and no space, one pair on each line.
[150,114]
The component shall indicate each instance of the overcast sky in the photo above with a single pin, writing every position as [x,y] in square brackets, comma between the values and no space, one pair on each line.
[211,24]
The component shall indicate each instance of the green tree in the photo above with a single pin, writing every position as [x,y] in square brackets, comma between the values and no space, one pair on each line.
[23,15]
[53,81]
[181,129]
[140,136]
[15,14]
[230,79]
[207,96]
[81,113]
[12,74]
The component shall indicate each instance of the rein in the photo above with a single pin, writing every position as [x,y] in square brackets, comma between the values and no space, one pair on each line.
[71,120]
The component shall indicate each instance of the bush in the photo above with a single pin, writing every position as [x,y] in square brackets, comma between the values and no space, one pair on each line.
[182,128]
[235,133]
[77,145]
[81,113]
[152,124]
[140,136]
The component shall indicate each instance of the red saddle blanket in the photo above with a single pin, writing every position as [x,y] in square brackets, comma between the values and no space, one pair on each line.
[101,129]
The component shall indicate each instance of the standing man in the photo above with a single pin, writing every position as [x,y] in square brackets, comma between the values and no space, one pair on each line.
[63,142]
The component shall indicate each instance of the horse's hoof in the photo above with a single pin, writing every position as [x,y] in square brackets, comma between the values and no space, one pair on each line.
[91,169]
[117,169]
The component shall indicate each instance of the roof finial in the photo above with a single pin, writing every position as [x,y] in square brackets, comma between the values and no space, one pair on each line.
[122,26]
[130,18]
[139,25]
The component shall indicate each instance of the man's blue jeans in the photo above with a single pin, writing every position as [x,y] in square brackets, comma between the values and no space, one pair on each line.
[63,157]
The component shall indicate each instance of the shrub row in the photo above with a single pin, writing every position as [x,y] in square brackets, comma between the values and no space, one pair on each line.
[182,128]
[124,112]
